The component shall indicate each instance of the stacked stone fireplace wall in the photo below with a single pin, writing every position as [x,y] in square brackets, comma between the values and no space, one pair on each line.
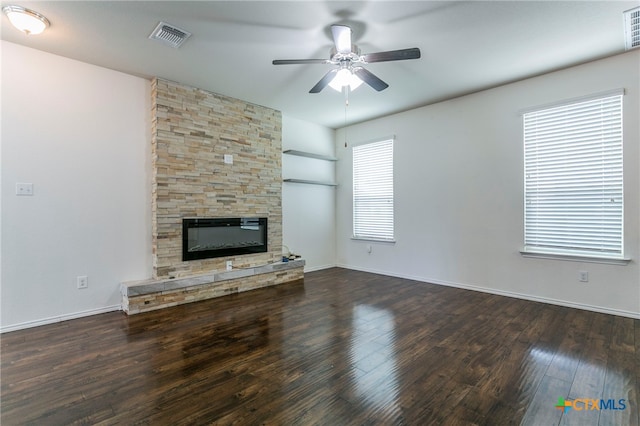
[192,132]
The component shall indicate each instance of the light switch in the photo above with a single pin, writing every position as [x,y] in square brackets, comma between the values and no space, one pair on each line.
[228,159]
[24,189]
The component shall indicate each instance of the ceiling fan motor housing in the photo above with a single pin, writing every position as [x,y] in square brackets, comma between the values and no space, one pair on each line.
[337,57]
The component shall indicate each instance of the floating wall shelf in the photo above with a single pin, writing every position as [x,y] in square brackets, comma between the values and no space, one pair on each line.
[309,155]
[310,182]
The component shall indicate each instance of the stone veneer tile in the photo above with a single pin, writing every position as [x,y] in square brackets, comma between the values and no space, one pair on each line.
[192,130]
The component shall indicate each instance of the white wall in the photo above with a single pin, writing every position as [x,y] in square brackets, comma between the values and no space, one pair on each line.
[81,135]
[308,211]
[459,194]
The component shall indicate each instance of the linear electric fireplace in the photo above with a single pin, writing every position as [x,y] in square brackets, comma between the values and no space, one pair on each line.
[219,237]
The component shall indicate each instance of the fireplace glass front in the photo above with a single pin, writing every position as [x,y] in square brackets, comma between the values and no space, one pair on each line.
[219,237]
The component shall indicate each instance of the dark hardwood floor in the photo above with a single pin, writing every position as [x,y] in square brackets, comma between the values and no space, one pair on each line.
[341,348]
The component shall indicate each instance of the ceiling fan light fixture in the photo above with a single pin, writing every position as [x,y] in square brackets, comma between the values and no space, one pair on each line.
[345,77]
[26,20]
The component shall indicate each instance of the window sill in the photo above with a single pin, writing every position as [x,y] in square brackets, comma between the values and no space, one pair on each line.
[575,258]
[376,240]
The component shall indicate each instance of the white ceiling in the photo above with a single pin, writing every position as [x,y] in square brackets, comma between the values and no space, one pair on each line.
[466,46]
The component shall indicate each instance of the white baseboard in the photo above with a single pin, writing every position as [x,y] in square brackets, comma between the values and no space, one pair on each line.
[66,317]
[551,301]
[319,268]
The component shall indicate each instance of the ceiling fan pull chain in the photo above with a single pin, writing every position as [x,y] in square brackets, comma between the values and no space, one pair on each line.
[346,104]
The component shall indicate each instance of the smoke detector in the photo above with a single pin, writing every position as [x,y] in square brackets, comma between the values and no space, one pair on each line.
[632,28]
[170,35]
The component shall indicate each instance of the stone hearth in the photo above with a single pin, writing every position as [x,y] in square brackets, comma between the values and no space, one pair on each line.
[149,295]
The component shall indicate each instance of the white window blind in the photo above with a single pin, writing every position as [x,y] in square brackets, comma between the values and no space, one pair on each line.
[373,191]
[573,179]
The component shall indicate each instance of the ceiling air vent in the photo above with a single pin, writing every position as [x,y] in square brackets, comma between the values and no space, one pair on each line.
[632,28]
[170,35]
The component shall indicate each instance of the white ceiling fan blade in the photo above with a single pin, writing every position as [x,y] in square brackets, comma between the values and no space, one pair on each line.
[324,81]
[342,38]
[393,55]
[369,78]
[299,61]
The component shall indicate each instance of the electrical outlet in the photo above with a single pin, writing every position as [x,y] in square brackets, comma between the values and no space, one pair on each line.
[583,277]
[82,281]
[24,189]
[229,265]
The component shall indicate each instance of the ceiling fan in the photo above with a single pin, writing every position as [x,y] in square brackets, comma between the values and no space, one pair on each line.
[347,57]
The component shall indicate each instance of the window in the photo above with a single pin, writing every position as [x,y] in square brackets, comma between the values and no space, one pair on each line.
[373,191]
[573,179]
